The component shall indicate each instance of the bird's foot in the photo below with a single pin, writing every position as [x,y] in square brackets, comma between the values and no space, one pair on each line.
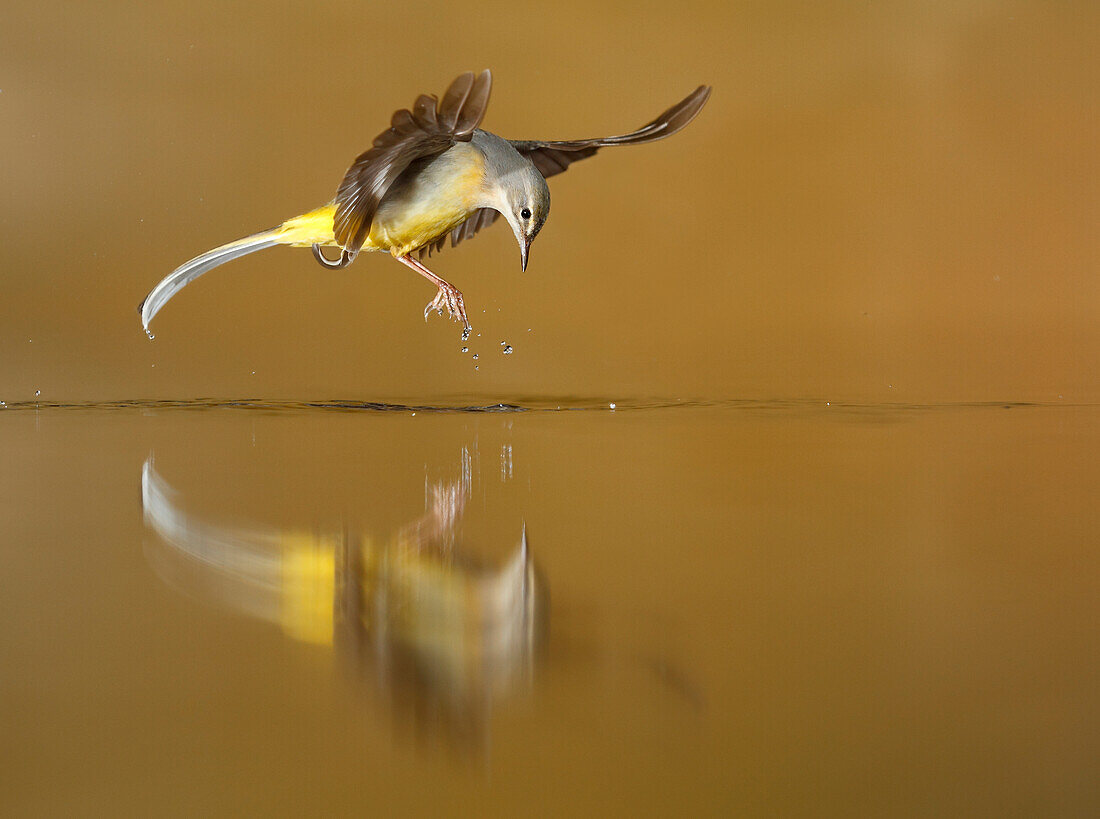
[450,297]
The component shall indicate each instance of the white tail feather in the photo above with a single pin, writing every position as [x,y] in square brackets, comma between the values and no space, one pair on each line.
[189,271]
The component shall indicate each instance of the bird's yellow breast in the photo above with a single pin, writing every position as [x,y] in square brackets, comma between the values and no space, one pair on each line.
[419,207]
[431,202]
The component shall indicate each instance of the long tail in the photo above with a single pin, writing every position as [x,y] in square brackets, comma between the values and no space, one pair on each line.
[189,271]
[314,227]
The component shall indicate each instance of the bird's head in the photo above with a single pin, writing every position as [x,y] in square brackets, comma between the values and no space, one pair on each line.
[524,200]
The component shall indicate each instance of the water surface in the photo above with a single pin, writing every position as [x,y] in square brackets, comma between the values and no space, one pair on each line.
[649,610]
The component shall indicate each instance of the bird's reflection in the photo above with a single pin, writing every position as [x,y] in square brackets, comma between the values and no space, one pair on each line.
[439,636]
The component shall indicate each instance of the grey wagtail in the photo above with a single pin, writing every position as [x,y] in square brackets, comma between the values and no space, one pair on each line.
[431,175]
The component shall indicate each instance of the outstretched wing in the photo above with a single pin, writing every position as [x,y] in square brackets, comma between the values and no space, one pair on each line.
[554,157]
[430,128]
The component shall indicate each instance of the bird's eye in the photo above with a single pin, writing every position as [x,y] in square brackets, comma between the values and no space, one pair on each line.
[525,213]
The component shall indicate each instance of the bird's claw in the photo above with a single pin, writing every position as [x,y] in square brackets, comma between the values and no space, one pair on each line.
[451,298]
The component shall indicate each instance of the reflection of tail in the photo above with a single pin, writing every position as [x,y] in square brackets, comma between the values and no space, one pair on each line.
[304,230]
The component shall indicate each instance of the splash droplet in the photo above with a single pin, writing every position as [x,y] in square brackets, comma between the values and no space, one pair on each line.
[507,349]
[465,349]
[37,393]
[475,358]
[465,333]
[149,333]
[612,405]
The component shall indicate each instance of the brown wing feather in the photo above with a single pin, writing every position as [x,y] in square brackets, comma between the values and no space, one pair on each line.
[554,157]
[479,221]
[429,129]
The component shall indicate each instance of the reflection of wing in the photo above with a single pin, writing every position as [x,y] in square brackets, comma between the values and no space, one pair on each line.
[554,157]
[429,129]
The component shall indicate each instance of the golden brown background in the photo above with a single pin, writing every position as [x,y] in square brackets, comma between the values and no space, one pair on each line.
[863,581]
[886,203]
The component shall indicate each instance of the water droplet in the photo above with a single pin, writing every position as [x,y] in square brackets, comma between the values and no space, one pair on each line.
[475,356]
[37,393]
[465,333]
[612,405]
[504,344]
[149,333]
[476,367]
[508,349]
[465,349]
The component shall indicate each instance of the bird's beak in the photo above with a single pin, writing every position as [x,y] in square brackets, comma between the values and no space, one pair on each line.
[524,249]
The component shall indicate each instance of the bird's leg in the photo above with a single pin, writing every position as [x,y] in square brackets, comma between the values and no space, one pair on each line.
[448,296]
[345,259]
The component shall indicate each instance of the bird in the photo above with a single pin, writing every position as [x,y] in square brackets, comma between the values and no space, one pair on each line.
[432,175]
